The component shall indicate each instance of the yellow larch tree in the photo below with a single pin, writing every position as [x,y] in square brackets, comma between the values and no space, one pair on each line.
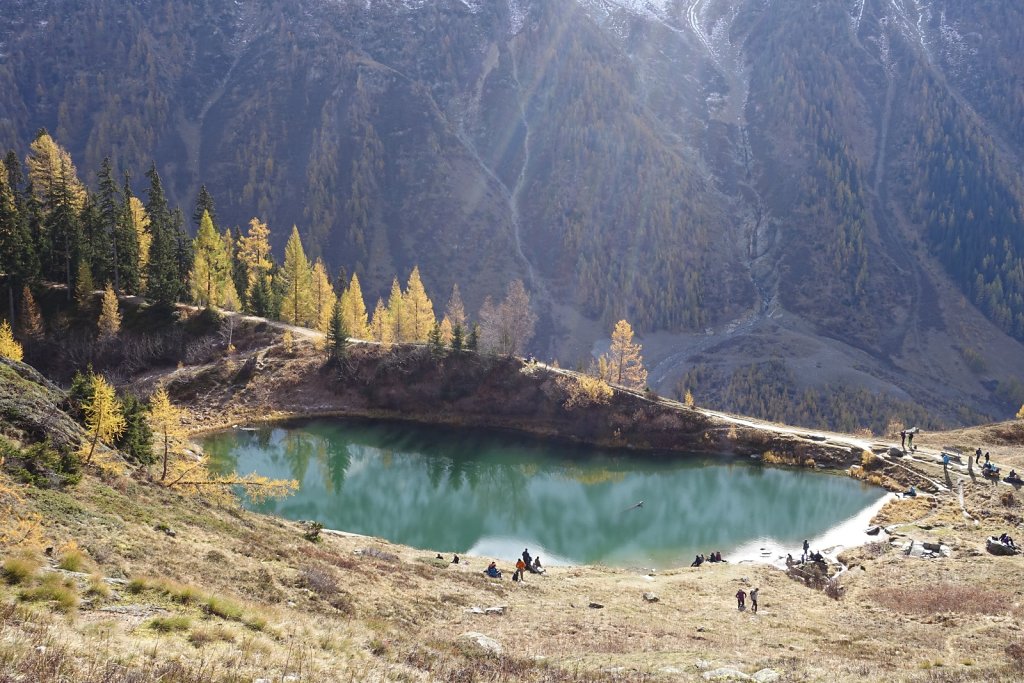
[353,310]
[254,251]
[446,330]
[104,419]
[48,165]
[381,328]
[625,365]
[418,309]
[110,317]
[396,313]
[297,282]
[9,348]
[165,421]
[140,222]
[323,297]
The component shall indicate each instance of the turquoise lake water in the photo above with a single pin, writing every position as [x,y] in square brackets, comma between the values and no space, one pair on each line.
[494,493]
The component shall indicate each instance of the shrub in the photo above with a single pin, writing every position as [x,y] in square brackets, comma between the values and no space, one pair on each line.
[177,622]
[53,589]
[19,569]
[583,391]
[320,580]
[137,585]
[1008,499]
[313,532]
[869,461]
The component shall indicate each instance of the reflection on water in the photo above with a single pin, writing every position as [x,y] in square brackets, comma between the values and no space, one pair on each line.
[496,493]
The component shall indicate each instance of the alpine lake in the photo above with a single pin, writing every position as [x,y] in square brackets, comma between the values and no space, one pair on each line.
[492,493]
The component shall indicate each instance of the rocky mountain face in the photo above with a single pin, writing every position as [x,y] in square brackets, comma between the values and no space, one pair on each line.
[835,185]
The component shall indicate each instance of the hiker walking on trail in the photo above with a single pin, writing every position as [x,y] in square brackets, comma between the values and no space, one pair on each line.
[807,547]
[977,456]
[740,597]
[986,457]
[903,440]
[753,600]
[910,438]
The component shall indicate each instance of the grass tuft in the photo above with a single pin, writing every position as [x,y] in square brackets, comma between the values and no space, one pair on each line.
[72,558]
[222,607]
[52,589]
[171,624]
[19,569]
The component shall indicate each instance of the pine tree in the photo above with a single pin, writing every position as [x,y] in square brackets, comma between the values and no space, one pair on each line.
[354,309]
[260,298]
[381,328]
[18,258]
[130,261]
[323,297]
[418,314]
[136,441]
[211,270]
[63,228]
[297,282]
[624,362]
[239,275]
[165,421]
[110,318]
[396,313]
[163,282]
[204,204]
[337,335]
[9,348]
[457,338]
[30,319]
[434,340]
[109,204]
[84,286]
[473,340]
[104,420]
[95,247]
[184,257]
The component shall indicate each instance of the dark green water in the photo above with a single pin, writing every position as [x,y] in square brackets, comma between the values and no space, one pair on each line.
[487,493]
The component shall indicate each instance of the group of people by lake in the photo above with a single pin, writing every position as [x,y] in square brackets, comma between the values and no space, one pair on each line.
[524,564]
[711,557]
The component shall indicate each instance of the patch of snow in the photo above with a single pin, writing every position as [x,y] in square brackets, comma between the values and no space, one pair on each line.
[517,16]
[956,49]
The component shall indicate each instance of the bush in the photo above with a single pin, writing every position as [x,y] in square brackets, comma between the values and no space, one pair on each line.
[1008,499]
[869,461]
[320,580]
[313,533]
[98,587]
[178,622]
[19,569]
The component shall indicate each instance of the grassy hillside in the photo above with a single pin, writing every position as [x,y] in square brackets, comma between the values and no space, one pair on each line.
[142,583]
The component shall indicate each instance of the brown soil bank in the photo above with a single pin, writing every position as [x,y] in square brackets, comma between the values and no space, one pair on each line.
[469,389]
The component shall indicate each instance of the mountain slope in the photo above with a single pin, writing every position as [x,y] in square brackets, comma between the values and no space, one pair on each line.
[839,179]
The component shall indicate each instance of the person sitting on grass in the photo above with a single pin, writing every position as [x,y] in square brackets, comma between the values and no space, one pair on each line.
[493,571]
[536,567]
[697,561]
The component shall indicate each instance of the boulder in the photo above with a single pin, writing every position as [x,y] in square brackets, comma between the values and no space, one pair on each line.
[651,597]
[595,605]
[996,547]
[766,676]
[483,642]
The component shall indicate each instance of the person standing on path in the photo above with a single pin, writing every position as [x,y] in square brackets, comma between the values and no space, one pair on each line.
[910,438]
[740,597]
[977,456]
[521,568]
[903,440]
[807,547]
[753,600]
